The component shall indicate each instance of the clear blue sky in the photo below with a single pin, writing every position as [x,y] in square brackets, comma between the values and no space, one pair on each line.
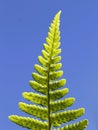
[23,29]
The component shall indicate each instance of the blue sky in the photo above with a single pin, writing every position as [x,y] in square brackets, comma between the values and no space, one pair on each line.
[23,29]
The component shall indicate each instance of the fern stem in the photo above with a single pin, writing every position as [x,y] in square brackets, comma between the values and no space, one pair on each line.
[49,122]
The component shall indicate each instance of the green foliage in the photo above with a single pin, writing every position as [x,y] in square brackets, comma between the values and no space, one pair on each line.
[47,104]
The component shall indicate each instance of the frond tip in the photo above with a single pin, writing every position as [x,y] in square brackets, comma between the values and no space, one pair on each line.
[47,109]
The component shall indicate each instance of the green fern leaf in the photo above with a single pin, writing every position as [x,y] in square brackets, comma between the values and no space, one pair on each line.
[48,110]
[29,123]
[77,126]
[34,110]
[61,104]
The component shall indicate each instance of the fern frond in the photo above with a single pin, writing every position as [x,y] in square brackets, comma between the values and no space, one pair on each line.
[47,83]
[36,98]
[34,110]
[54,67]
[76,126]
[43,61]
[55,59]
[40,70]
[61,104]
[38,87]
[54,95]
[62,117]
[39,78]
[56,75]
[56,84]
[29,123]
